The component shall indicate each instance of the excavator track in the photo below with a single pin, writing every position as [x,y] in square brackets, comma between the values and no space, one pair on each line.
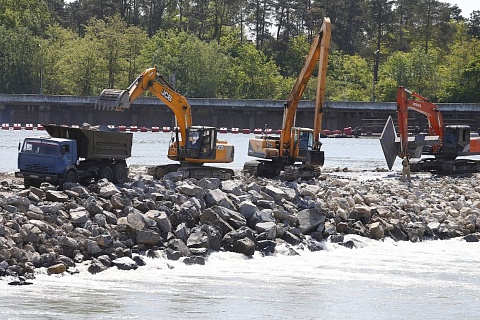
[457,166]
[292,173]
[267,169]
[250,167]
[196,172]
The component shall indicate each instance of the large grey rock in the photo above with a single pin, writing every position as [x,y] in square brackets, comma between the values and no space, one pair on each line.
[17,201]
[148,237]
[214,236]
[230,186]
[191,208]
[135,220]
[160,217]
[376,230]
[245,246]
[247,209]
[274,192]
[209,183]
[96,266]
[269,228]
[235,219]
[125,263]
[265,215]
[190,190]
[182,232]
[309,190]
[310,219]
[244,232]
[105,240]
[120,201]
[198,239]
[67,242]
[107,189]
[79,216]
[56,196]
[92,247]
[219,198]
[180,246]
[213,218]
[285,217]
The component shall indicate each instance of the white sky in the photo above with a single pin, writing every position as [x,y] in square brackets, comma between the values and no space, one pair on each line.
[467,6]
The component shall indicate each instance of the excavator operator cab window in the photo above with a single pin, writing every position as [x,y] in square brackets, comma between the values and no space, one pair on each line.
[193,141]
[306,140]
[305,143]
[201,143]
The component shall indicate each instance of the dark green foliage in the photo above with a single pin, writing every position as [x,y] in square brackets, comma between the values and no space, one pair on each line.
[240,48]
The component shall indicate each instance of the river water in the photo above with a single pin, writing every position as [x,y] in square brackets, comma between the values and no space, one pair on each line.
[379,279]
[150,148]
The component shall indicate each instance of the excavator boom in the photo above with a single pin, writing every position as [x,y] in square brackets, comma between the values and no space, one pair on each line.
[113,99]
[296,144]
[195,146]
[406,100]
[318,53]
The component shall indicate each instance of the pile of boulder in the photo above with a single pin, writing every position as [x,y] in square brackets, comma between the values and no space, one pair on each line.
[105,225]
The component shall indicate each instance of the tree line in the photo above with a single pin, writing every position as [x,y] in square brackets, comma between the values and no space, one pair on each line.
[240,49]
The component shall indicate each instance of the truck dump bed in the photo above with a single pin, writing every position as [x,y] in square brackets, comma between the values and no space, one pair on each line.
[95,144]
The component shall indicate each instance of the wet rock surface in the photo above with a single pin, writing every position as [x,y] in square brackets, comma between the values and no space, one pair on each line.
[105,225]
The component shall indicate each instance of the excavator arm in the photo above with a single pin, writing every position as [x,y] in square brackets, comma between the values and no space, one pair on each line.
[318,53]
[406,100]
[113,99]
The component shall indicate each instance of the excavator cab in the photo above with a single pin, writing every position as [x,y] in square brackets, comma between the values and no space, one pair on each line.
[456,141]
[200,142]
[306,151]
[304,140]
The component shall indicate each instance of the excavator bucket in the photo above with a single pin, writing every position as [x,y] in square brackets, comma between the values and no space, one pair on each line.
[113,100]
[387,141]
[315,158]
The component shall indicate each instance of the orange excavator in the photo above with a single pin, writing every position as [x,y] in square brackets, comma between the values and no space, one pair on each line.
[296,151]
[445,143]
[192,146]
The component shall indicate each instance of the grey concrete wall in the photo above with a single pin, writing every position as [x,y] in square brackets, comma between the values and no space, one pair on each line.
[228,113]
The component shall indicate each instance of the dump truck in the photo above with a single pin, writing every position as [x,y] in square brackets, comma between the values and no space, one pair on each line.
[74,154]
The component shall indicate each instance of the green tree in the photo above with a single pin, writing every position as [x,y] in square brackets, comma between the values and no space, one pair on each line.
[474,24]
[199,67]
[458,69]
[82,68]
[30,14]
[256,75]
[349,78]
[57,60]
[415,70]
[20,60]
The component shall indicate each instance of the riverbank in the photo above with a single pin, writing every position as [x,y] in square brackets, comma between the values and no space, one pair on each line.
[104,225]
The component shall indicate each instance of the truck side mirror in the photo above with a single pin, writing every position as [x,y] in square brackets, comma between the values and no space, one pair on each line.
[19,145]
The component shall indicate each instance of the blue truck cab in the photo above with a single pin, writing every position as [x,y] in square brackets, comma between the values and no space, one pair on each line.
[46,159]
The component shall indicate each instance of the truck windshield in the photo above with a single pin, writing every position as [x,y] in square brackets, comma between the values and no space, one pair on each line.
[40,147]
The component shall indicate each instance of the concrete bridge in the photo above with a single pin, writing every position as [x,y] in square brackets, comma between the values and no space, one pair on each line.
[228,113]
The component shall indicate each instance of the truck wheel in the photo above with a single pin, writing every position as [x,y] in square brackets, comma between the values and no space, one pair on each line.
[106,173]
[71,176]
[119,173]
[27,183]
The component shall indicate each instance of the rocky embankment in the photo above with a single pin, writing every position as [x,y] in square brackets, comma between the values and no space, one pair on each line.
[105,225]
